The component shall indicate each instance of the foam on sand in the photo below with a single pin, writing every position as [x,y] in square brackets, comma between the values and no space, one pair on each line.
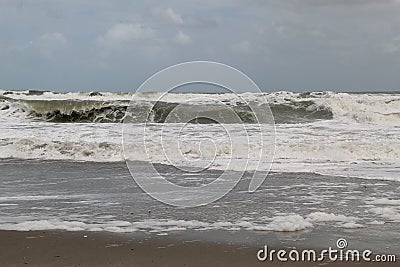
[329,217]
[284,223]
[288,223]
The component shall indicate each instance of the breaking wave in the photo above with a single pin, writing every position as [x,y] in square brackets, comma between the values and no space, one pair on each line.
[111,108]
[321,132]
[287,107]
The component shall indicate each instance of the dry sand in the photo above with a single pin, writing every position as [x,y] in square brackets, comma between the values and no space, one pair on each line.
[58,248]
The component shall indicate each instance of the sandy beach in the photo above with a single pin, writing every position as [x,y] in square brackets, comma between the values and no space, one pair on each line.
[58,248]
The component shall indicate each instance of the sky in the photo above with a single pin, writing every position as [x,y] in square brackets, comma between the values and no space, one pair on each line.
[294,45]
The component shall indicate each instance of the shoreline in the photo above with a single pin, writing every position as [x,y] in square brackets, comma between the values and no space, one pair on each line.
[61,248]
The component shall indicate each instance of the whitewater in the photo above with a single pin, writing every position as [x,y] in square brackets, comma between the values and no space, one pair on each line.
[340,134]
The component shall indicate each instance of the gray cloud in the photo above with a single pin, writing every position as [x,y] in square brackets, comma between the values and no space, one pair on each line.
[167,15]
[115,45]
[121,34]
[182,38]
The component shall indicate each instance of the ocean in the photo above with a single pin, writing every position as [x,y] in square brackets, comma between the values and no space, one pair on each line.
[333,167]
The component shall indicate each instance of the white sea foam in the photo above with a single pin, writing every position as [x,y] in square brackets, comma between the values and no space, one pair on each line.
[297,149]
[115,226]
[375,222]
[287,223]
[382,109]
[389,213]
[284,223]
[329,217]
[112,226]
[383,201]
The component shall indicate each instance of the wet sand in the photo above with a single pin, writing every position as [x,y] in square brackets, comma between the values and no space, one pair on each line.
[59,248]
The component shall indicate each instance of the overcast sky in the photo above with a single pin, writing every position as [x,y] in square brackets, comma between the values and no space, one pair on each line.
[297,45]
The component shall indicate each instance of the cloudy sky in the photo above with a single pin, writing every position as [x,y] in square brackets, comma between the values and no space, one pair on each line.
[298,45]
